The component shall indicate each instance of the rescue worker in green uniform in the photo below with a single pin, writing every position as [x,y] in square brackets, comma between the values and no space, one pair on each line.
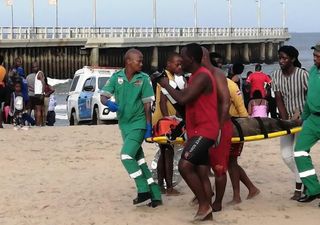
[310,132]
[133,94]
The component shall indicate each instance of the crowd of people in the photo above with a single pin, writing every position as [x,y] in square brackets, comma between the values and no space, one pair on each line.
[212,98]
[206,102]
[25,100]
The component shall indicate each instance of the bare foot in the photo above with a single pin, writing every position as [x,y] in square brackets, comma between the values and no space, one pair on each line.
[172,192]
[216,207]
[253,193]
[234,201]
[194,201]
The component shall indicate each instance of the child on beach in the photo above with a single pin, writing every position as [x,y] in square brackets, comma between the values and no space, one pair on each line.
[51,114]
[258,106]
[17,108]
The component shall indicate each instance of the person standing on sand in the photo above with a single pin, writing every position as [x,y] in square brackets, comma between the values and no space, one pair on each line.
[310,132]
[3,89]
[236,172]
[290,85]
[165,108]
[202,125]
[219,155]
[133,93]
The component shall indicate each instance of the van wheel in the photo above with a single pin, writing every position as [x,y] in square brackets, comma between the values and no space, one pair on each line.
[73,119]
[95,117]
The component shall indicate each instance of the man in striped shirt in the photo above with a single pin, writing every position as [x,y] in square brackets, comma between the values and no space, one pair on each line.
[310,133]
[290,85]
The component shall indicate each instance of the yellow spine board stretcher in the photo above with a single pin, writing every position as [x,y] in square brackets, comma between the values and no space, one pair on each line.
[179,140]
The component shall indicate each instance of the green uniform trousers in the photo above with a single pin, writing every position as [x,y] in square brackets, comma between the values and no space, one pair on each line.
[132,158]
[308,137]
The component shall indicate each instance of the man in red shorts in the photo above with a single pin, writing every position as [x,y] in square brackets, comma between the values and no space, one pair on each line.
[219,156]
[200,98]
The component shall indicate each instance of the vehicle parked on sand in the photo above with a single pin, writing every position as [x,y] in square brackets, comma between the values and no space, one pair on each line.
[83,101]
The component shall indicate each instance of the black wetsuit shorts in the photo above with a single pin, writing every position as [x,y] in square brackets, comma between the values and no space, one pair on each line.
[196,150]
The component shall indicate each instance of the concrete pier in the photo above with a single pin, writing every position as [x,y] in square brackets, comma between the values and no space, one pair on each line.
[154,59]
[245,56]
[228,53]
[60,52]
[94,57]
[262,52]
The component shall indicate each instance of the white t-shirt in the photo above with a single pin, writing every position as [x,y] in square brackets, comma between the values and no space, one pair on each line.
[52,103]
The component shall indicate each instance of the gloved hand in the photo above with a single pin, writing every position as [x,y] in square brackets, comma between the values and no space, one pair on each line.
[113,107]
[148,131]
[217,142]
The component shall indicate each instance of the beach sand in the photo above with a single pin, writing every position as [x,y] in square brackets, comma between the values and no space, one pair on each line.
[73,176]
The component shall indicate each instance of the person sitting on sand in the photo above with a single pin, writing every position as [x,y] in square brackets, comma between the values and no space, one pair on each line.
[133,93]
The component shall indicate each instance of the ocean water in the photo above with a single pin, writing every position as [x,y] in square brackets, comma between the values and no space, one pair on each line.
[302,41]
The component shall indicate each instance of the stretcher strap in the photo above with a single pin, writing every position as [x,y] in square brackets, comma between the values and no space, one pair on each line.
[262,127]
[237,125]
[283,126]
[177,131]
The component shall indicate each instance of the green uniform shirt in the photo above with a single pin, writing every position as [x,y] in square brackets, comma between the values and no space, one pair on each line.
[312,104]
[130,96]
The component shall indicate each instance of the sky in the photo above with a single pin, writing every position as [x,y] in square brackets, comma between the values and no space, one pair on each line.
[170,13]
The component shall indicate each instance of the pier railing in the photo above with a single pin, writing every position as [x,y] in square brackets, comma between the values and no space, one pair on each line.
[23,33]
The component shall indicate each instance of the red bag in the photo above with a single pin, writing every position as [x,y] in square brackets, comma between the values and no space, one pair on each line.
[164,126]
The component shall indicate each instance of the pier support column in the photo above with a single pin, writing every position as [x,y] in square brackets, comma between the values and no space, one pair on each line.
[245,55]
[262,52]
[177,50]
[154,59]
[281,44]
[270,52]
[228,53]
[212,48]
[94,56]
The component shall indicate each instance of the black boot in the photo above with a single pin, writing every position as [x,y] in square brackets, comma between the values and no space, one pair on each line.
[142,197]
[155,203]
[308,198]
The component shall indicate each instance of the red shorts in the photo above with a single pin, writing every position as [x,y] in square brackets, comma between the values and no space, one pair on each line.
[236,149]
[219,156]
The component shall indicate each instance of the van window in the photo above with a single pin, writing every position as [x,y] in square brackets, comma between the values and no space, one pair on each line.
[102,81]
[86,83]
[74,83]
[93,83]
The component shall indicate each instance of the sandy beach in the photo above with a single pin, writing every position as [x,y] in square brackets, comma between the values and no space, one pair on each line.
[73,176]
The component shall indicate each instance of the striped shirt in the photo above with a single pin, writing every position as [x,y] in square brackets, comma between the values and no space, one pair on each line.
[293,89]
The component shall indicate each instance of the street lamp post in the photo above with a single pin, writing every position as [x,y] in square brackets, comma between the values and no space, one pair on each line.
[283,14]
[259,12]
[94,13]
[32,16]
[57,14]
[195,11]
[154,16]
[230,15]
[10,3]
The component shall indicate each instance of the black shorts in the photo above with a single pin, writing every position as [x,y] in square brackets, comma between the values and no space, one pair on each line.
[196,150]
[3,94]
[36,100]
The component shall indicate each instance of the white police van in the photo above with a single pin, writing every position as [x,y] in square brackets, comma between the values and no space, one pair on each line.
[83,101]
